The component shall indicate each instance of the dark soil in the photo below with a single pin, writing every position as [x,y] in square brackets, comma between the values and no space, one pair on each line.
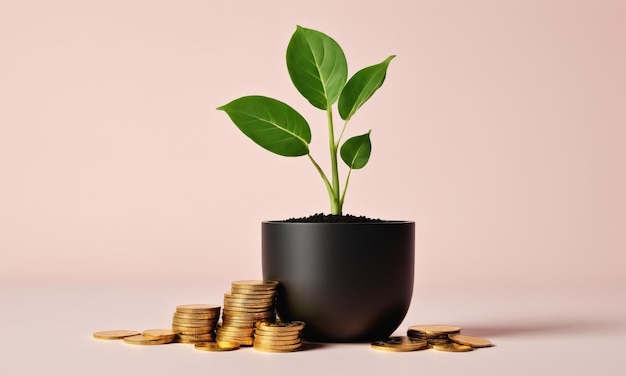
[330,218]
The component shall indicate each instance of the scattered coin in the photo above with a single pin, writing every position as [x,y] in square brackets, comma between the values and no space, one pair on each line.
[143,340]
[399,344]
[452,347]
[446,338]
[115,334]
[470,340]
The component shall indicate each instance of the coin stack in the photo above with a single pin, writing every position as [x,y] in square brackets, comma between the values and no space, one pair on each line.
[195,323]
[247,302]
[278,336]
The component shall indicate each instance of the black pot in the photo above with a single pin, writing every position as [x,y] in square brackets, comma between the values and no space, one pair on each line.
[350,282]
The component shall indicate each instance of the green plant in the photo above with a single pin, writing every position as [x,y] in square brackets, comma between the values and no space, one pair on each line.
[318,69]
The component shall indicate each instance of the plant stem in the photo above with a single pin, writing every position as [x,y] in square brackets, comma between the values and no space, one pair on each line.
[345,188]
[341,134]
[335,204]
[329,188]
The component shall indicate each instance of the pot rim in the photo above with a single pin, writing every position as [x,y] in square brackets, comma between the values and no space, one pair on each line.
[384,222]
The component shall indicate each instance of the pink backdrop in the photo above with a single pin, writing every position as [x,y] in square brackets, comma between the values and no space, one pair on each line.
[500,131]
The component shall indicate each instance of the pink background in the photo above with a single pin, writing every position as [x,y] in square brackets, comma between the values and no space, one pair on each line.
[500,131]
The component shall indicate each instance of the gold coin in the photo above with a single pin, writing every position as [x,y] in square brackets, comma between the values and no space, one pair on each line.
[255,285]
[276,342]
[276,335]
[399,344]
[197,316]
[198,308]
[434,329]
[452,347]
[238,326]
[207,337]
[194,323]
[234,331]
[252,294]
[143,340]
[248,306]
[470,340]
[280,325]
[229,324]
[186,330]
[223,334]
[159,334]
[245,312]
[277,348]
[436,341]
[238,323]
[232,308]
[115,334]
[217,346]
[264,349]
[255,295]
[415,334]
[243,341]
[248,316]
[233,335]
[248,303]
[191,341]
[268,297]
[189,325]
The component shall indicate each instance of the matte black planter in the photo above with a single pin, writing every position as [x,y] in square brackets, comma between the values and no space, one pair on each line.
[350,282]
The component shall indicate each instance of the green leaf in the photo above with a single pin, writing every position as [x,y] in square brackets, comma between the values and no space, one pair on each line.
[317,66]
[356,151]
[270,123]
[361,87]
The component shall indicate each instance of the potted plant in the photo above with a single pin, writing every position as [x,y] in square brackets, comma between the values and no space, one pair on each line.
[349,278]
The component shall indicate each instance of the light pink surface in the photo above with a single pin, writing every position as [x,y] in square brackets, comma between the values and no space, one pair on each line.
[573,332]
[501,131]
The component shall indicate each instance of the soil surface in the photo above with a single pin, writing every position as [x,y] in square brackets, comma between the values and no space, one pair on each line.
[330,218]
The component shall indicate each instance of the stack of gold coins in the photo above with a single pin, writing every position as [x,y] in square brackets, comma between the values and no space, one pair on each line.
[433,334]
[248,302]
[195,323]
[278,336]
